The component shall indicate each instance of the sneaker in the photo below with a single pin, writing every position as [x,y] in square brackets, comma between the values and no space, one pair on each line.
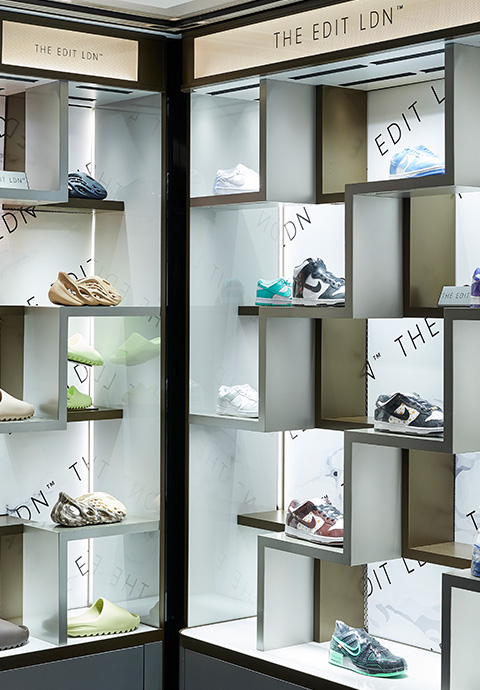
[80,351]
[274,292]
[13,409]
[237,401]
[408,414]
[238,179]
[313,284]
[356,650]
[417,161]
[321,523]
[136,350]
[77,400]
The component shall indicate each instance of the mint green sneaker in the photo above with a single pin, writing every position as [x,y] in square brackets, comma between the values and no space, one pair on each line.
[77,400]
[274,292]
[136,350]
[80,351]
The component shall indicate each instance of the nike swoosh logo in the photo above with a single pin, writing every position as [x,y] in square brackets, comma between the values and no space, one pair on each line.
[309,523]
[354,651]
[401,415]
[316,288]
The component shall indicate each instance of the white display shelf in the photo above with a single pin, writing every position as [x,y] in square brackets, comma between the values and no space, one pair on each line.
[391,440]
[227,421]
[276,339]
[35,644]
[236,640]
[45,557]
[131,525]
[42,132]
[34,352]
[460,611]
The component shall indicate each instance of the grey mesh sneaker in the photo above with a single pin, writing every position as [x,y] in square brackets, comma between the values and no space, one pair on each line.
[356,650]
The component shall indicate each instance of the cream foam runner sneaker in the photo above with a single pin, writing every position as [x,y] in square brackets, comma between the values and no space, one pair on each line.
[12,409]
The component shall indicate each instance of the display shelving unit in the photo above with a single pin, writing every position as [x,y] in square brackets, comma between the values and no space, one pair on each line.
[115,135]
[387,237]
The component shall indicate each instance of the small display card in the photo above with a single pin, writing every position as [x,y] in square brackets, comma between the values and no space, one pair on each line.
[455,296]
[13,180]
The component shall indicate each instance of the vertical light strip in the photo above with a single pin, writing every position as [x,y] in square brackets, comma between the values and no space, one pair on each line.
[281,240]
[281,470]
[91,435]
[281,435]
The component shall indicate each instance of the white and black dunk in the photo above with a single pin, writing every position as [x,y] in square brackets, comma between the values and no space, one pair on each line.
[408,414]
[313,284]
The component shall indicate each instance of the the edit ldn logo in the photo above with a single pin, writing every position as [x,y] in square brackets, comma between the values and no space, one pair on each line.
[340,26]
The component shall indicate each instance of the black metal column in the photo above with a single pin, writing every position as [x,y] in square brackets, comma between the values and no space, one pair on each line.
[176,291]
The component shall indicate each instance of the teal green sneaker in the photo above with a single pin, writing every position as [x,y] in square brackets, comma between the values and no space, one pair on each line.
[77,400]
[356,650]
[274,292]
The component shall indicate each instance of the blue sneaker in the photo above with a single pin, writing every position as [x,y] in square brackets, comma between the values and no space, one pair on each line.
[417,161]
[356,650]
[274,292]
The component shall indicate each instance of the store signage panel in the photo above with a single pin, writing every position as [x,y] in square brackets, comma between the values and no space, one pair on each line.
[316,32]
[60,50]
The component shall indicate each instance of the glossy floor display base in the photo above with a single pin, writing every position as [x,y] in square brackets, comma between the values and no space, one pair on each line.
[303,664]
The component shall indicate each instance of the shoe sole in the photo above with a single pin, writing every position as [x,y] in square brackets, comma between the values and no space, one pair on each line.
[403,429]
[318,302]
[11,418]
[234,190]
[80,407]
[423,173]
[237,413]
[326,541]
[267,301]
[13,646]
[109,632]
[338,659]
[84,360]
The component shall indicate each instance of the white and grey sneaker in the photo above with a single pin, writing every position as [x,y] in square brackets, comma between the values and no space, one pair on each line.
[237,401]
[408,414]
[236,180]
[313,284]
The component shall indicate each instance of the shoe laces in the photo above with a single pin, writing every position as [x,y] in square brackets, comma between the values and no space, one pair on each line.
[329,509]
[425,404]
[320,271]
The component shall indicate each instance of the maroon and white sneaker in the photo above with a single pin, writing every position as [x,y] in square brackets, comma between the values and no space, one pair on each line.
[321,523]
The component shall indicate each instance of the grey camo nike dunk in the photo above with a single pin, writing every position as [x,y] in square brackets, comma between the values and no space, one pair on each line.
[408,414]
[313,284]
[356,650]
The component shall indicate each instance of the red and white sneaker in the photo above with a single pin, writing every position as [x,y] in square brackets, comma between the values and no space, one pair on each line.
[321,523]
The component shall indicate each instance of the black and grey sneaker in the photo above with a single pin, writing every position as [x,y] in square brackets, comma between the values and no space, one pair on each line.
[408,414]
[313,284]
[356,650]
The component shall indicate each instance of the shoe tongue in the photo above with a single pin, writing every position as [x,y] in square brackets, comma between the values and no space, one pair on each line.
[320,263]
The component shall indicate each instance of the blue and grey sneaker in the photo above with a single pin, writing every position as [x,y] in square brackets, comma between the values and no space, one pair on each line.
[313,284]
[408,414]
[356,650]
[416,161]
[274,292]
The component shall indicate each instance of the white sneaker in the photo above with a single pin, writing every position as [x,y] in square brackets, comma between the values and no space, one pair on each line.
[237,401]
[12,409]
[235,180]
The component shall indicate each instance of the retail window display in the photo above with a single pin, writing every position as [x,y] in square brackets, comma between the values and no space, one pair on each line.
[81,553]
[387,375]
